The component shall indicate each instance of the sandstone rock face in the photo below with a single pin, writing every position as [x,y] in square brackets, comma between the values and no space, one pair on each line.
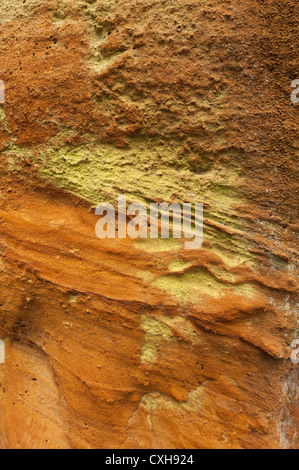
[122,343]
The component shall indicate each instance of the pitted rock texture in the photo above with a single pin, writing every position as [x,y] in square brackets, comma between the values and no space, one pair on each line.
[127,343]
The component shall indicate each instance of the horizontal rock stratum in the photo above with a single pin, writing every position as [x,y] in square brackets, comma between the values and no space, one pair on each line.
[122,343]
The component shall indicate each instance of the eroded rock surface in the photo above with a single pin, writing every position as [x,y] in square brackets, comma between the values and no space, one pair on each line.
[141,343]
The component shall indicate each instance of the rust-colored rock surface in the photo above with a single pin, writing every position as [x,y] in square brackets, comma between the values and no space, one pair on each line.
[122,343]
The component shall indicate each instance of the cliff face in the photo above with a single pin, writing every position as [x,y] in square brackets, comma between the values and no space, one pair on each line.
[127,343]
